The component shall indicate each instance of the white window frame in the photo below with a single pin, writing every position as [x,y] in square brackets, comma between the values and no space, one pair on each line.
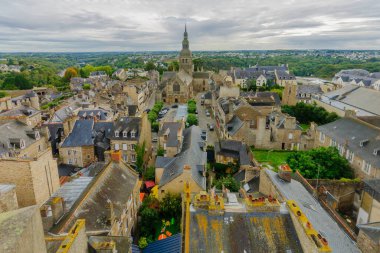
[133,134]
[366,167]
[125,134]
[290,136]
[125,146]
[116,133]
[117,146]
[133,158]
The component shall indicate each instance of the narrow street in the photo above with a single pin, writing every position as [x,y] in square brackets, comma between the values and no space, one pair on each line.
[204,121]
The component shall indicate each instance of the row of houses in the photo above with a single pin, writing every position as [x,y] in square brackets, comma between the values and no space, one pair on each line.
[359,77]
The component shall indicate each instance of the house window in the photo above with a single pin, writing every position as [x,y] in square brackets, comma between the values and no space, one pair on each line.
[366,167]
[125,146]
[125,157]
[125,134]
[290,136]
[116,146]
[332,143]
[133,134]
[69,152]
[133,146]
[88,156]
[350,156]
[70,161]
[133,158]
[321,137]
[116,133]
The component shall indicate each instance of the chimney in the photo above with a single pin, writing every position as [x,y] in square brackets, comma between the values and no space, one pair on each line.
[285,173]
[116,156]
[57,208]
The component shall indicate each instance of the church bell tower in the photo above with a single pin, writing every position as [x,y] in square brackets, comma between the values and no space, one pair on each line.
[185,57]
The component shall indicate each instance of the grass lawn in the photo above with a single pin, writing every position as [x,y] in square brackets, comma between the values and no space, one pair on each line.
[273,158]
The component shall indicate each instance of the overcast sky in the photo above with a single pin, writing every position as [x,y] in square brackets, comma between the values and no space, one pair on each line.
[124,25]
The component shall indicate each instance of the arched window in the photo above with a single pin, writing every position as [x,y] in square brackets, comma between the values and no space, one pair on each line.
[176,87]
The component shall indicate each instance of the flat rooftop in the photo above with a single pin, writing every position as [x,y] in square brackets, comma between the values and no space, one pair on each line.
[338,240]
[242,232]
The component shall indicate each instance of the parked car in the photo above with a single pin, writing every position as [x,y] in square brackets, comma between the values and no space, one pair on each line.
[211,127]
[154,139]
[204,135]
[174,106]
[207,113]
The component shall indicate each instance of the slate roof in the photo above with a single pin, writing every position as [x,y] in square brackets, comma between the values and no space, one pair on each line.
[101,114]
[54,128]
[191,154]
[308,89]
[234,125]
[350,132]
[242,233]
[283,75]
[62,114]
[359,98]
[81,135]
[171,129]
[234,149]
[15,130]
[117,184]
[127,124]
[338,240]
[172,244]
[201,75]
[273,96]
[208,95]
[20,111]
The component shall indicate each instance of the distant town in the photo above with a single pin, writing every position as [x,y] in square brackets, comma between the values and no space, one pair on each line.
[214,151]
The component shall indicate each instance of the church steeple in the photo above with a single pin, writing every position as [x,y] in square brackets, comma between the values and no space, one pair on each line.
[185,57]
[185,41]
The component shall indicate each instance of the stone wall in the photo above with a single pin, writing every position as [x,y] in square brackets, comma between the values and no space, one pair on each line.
[35,179]
[366,244]
[8,198]
[267,188]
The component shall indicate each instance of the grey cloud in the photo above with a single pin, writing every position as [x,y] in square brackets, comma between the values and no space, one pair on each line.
[100,25]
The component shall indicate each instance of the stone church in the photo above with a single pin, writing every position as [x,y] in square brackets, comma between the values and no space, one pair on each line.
[179,87]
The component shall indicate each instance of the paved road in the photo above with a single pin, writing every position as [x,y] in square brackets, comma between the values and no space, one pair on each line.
[204,120]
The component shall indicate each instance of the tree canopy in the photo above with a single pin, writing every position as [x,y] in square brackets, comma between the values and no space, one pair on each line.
[191,120]
[306,113]
[323,162]
[229,182]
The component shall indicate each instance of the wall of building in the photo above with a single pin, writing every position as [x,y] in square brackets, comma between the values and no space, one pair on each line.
[366,244]
[29,239]
[35,179]
[177,184]
[8,199]
[77,156]
[267,188]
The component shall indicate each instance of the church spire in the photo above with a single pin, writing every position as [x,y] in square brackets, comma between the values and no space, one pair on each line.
[185,41]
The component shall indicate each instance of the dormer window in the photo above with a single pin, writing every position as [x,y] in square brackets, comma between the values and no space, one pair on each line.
[116,133]
[133,133]
[125,134]
[37,135]
[22,144]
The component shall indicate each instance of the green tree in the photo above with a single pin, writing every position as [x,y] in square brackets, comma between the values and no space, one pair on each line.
[149,216]
[228,182]
[86,86]
[3,94]
[150,173]
[160,151]
[191,120]
[323,162]
[171,206]
[191,106]
[173,66]
[306,113]
[140,152]
[70,73]
[143,243]
[149,66]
